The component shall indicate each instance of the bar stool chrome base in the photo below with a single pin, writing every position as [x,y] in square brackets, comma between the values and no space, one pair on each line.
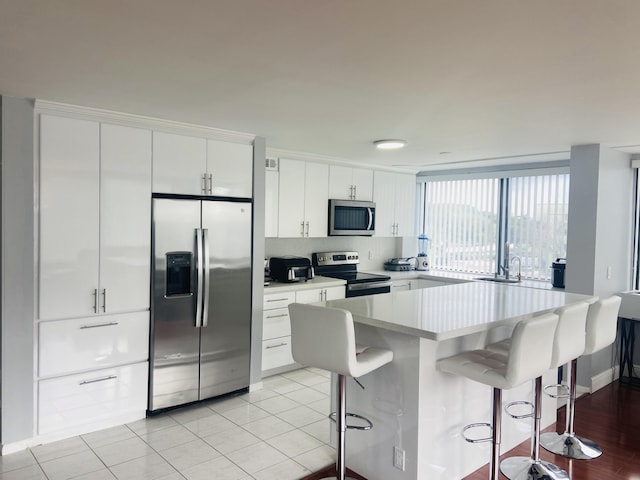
[570,445]
[524,468]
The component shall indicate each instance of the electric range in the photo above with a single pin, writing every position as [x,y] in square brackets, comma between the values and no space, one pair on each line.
[344,265]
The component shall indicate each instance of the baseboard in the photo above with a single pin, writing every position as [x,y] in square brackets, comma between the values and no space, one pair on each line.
[255,386]
[604,378]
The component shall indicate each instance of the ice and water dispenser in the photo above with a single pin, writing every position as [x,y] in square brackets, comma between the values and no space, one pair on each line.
[178,281]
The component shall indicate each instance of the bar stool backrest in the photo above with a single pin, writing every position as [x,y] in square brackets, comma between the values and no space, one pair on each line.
[323,337]
[602,324]
[570,337]
[531,348]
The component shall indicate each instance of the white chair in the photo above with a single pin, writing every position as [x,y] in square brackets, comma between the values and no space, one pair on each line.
[601,328]
[527,358]
[568,343]
[324,337]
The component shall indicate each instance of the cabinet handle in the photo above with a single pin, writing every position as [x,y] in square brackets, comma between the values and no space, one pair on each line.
[355,191]
[204,183]
[302,229]
[95,300]
[277,300]
[104,300]
[96,380]
[98,325]
[276,346]
[350,192]
[210,184]
[307,232]
[278,316]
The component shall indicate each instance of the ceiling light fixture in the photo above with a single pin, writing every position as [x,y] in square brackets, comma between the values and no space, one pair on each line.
[389,144]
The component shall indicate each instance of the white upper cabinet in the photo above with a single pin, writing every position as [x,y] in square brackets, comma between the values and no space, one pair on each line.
[125,218]
[271,204]
[349,183]
[303,199]
[188,165]
[95,188]
[69,216]
[394,194]
[179,164]
[230,169]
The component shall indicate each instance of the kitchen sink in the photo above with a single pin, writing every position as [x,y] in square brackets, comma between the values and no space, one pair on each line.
[499,279]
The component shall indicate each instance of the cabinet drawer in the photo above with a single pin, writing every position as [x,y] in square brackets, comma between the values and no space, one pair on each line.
[276,323]
[68,346]
[276,353]
[88,398]
[278,300]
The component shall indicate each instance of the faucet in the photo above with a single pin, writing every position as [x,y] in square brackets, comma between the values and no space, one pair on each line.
[505,266]
[515,257]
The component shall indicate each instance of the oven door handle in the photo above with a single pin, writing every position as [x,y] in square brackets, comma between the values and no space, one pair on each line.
[365,285]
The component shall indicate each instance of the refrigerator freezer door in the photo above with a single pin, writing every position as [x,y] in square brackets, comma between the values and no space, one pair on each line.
[225,340]
[174,352]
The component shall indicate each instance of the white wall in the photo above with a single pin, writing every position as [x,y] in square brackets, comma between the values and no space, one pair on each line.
[17,269]
[381,248]
[599,235]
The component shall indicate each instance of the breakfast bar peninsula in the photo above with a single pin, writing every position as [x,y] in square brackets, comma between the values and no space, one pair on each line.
[418,412]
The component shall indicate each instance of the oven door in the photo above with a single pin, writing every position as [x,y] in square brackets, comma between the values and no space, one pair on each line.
[367,288]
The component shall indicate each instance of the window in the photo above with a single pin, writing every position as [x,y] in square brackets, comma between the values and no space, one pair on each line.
[470,220]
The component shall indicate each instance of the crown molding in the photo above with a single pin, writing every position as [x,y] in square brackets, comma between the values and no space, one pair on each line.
[141,121]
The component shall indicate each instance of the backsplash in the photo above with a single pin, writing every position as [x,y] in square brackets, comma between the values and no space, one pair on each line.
[373,251]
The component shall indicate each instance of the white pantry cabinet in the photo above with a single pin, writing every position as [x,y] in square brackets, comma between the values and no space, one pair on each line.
[191,165]
[394,194]
[303,199]
[349,183]
[95,211]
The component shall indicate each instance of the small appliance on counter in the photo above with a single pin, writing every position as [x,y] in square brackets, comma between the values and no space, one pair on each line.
[290,269]
[424,245]
[400,264]
[558,267]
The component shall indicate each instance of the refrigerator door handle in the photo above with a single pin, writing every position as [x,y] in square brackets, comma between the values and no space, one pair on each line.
[207,278]
[199,280]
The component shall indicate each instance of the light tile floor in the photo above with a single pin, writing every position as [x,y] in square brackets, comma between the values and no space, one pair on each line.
[279,432]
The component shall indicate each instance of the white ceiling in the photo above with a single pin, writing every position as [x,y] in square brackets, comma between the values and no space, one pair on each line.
[477,78]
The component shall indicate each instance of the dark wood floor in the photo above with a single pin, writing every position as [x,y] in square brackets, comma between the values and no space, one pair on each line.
[610,417]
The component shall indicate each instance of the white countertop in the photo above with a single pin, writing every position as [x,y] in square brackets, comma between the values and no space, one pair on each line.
[316,282]
[455,310]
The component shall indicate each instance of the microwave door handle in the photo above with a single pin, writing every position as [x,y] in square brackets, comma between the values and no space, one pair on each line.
[199,279]
[206,272]
[370,218]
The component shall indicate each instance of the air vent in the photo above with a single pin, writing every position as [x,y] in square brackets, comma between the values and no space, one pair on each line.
[271,164]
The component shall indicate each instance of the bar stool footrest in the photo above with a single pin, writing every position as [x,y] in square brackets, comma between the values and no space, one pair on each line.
[563,391]
[570,446]
[516,403]
[477,425]
[524,468]
[368,426]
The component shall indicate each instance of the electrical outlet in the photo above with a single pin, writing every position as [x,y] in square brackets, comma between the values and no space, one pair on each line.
[398,458]
[609,272]
[370,255]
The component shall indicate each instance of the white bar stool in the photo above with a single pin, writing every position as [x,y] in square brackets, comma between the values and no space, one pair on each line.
[601,329]
[568,343]
[324,337]
[527,358]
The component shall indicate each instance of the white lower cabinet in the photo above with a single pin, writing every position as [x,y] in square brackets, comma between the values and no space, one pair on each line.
[93,372]
[276,326]
[89,399]
[67,346]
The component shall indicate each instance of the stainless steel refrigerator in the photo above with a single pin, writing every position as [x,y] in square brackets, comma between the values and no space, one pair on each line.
[201,300]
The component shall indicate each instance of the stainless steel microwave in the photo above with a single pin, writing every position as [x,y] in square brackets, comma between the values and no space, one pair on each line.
[351,217]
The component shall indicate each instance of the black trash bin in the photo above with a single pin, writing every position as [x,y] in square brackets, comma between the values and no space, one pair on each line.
[558,268]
